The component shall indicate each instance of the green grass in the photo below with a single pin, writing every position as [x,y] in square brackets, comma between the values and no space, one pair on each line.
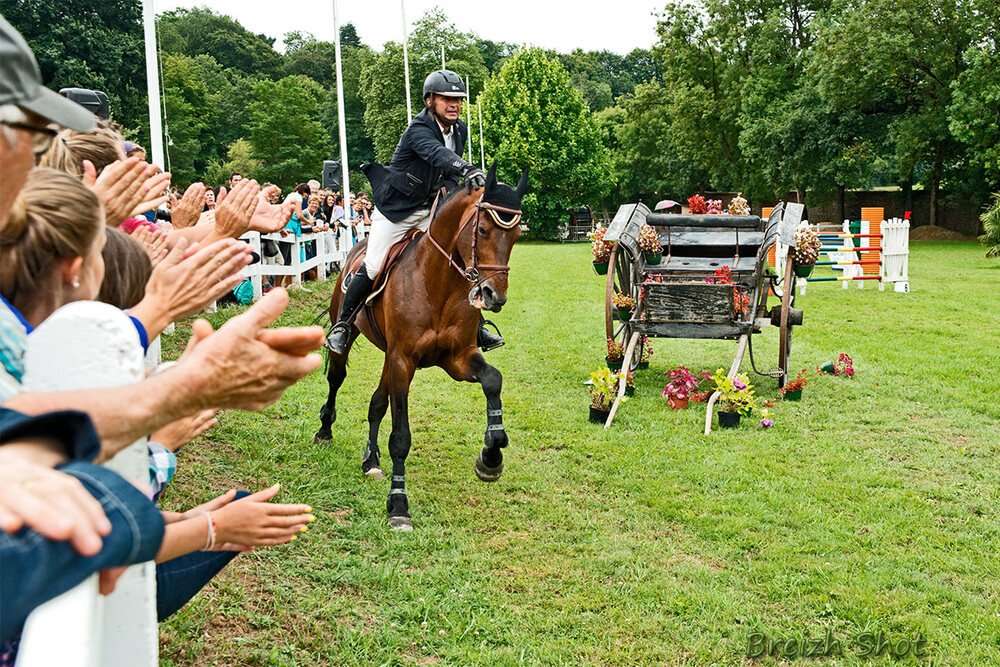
[871,505]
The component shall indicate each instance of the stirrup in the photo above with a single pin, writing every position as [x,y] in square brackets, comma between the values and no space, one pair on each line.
[339,337]
[485,340]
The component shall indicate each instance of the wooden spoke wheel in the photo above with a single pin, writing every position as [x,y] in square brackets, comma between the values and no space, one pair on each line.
[622,279]
[785,334]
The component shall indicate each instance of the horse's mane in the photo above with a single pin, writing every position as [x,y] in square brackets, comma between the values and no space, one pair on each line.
[501,195]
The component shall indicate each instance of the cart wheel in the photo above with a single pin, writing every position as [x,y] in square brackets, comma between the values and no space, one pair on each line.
[621,278]
[785,334]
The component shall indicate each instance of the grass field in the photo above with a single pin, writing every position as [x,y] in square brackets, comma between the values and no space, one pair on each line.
[871,506]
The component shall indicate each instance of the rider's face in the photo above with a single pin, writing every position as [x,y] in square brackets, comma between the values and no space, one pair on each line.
[447,109]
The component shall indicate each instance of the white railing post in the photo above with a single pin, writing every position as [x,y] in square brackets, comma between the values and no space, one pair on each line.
[91,345]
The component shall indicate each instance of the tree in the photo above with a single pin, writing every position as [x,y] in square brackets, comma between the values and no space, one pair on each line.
[533,118]
[285,131]
[239,159]
[907,66]
[384,91]
[196,31]
[88,44]
[190,118]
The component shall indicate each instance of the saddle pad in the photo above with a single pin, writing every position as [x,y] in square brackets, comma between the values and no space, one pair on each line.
[391,257]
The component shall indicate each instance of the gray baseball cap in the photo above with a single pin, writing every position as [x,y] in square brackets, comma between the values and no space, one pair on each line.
[21,84]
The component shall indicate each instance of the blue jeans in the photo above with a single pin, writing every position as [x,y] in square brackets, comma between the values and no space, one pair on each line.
[179,579]
[34,569]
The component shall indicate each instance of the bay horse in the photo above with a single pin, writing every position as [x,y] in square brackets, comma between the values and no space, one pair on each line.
[429,315]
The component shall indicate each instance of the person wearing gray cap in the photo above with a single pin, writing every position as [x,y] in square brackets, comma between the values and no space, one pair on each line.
[27,108]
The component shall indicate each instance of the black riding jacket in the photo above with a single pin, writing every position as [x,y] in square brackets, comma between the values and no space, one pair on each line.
[420,166]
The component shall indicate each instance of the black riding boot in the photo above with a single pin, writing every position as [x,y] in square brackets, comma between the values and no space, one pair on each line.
[357,291]
[486,340]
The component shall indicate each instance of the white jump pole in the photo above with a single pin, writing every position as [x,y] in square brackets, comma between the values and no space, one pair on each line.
[153,84]
[345,169]
[406,61]
[468,113]
[482,149]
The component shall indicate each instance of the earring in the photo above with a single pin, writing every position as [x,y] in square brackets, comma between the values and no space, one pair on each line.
[76,284]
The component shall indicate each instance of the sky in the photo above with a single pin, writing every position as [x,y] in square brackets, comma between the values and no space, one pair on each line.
[562,25]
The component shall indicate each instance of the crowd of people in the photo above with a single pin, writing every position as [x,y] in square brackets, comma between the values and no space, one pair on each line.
[83,217]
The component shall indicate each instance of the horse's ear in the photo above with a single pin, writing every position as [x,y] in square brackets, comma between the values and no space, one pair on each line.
[522,185]
[491,177]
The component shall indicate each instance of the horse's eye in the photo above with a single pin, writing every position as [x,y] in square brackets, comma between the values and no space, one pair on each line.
[482,231]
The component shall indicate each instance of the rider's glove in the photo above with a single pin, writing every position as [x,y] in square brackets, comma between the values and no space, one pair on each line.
[475,178]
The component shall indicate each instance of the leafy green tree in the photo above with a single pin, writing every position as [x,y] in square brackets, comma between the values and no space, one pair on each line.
[239,159]
[533,118]
[285,130]
[384,91]
[88,44]
[991,226]
[494,53]
[908,53]
[190,118]
[196,31]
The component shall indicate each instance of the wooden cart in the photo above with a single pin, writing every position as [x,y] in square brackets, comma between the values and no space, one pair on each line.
[684,297]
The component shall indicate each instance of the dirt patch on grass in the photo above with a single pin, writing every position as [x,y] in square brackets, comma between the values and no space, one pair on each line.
[935,233]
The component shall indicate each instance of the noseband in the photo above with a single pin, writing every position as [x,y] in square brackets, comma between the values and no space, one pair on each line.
[474,273]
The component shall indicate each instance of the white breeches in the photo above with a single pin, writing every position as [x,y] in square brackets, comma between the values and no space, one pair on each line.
[384,233]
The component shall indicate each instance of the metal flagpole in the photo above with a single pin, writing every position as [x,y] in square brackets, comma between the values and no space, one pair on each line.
[346,179]
[153,84]
[442,57]
[482,152]
[406,61]
[468,113]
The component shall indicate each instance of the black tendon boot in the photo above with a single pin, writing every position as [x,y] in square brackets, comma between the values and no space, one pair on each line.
[486,340]
[357,291]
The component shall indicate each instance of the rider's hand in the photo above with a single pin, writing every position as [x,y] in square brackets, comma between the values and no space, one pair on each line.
[475,178]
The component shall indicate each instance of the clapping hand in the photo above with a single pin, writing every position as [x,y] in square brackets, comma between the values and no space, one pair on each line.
[232,216]
[184,212]
[127,188]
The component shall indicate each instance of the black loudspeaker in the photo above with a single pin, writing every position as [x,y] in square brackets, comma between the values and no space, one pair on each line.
[331,175]
[94,101]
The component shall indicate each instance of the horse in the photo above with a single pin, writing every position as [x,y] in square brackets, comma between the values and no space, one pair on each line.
[429,315]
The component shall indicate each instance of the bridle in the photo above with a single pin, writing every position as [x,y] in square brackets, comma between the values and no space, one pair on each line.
[474,273]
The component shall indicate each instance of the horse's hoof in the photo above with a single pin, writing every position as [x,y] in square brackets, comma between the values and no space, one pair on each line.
[375,473]
[486,473]
[402,524]
[322,438]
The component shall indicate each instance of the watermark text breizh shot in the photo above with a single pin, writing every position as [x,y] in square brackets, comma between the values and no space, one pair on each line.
[864,645]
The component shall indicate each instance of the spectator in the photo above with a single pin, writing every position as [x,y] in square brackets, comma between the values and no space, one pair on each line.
[209,200]
[313,186]
[234,178]
[135,150]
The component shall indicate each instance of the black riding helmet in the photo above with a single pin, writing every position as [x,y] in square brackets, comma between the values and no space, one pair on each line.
[444,82]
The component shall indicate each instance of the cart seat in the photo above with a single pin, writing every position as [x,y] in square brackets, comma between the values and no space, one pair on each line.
[697,237]
[729,221]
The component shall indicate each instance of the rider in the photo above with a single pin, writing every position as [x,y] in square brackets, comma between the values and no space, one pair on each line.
[427,158]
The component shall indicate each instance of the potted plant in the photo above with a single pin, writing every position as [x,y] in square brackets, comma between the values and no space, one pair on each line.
[713,206]
[738,205]
[697,205]
[681,385]
[792,391]
[807,245]
[630,383]
[647,352]
[624,304]
[601,250]
[649,243]
[615,356]
[602,387]
[737,398]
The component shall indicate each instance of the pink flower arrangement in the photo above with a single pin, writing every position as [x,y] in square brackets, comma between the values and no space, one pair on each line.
[616,351]
[714,206]
[681,383]
[844,365]
[599,248]
[649,240]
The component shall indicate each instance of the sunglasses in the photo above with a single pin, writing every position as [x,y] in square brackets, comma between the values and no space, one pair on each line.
[41,137]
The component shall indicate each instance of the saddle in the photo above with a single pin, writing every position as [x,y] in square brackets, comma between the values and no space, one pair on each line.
[391,259]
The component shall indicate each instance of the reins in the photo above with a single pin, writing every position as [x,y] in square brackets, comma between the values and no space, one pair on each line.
[474,273]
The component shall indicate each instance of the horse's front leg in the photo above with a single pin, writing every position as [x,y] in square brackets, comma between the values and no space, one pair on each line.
[473,368]
[400,374]
[370,465]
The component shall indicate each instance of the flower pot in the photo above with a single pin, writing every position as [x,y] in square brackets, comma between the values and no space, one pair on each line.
[624,314]
[642,365]
[793,395]
[654,257]
[729,419]
[598,415]
[803,270]
[828,367]
[629,391]
[614,364]
[677,403]
[601,268]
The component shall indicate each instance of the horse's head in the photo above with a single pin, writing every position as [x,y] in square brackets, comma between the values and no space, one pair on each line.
[494,225]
